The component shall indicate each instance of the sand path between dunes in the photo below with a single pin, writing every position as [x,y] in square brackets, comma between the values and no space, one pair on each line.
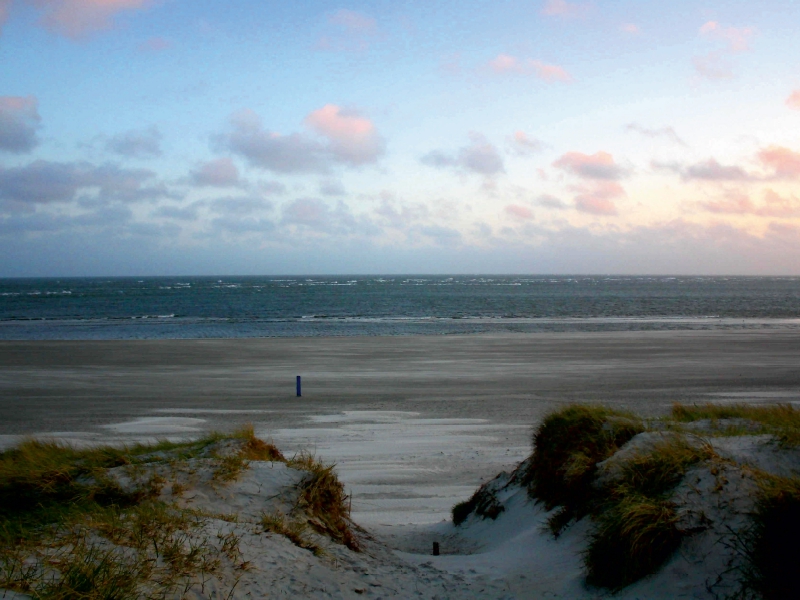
[414,423]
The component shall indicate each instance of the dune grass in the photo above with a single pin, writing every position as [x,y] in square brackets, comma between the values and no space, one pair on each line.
[781,420]
[483,503]
[229,465]
[566,449]
[657,471]
[635,534]
[294,530]
[636,524]
[323,497]
[69,530]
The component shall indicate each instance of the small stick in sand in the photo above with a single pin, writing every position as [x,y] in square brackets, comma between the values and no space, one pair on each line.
[436,548]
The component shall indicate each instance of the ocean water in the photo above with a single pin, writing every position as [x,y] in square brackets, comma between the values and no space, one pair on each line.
[230,307]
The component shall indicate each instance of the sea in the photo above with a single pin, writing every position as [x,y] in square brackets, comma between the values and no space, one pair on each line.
[358,305]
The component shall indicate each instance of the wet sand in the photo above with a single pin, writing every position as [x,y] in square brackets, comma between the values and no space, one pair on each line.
[80,385]
[412,422]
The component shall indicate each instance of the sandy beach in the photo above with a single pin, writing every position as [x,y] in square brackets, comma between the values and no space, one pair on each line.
[414,423]
[82,385]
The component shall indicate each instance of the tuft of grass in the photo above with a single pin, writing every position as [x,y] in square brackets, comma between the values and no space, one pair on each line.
[230,466]
[462,510]
[483,503]
[770,546]
[91,572]
[658,471]
[567,447]
[323,497]
[636,523]
[781,420]
[256,449]
[295,531]
[634,536]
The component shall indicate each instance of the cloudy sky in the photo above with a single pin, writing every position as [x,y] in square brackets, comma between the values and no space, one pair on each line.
[508,136]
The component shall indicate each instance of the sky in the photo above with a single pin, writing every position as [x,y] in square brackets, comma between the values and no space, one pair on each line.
[166,137]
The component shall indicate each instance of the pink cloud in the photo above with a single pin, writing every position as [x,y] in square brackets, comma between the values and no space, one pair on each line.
[332,122]
[350,31]
[524,145]
[713,66]
[216,173]
[549,72]
[5,6]
[351,135]
[505,63]
[777,206]
[785,162]
[598,199]
[78,18]
[630,28]
[667,133]
[307,211]
[155,44]
[19,120]
[774,205]
[733,204]
[712,170]
[793,101]
[564,9]
[737,38]
[599,165]
[350,139]
[716,64]
[518,211]
[353,21]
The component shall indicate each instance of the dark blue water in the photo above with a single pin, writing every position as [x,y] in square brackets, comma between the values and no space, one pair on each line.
[197,307]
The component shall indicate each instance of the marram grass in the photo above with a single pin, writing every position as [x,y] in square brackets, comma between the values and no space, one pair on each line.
[566,449]
[781,420]
[635,523]
[69,531]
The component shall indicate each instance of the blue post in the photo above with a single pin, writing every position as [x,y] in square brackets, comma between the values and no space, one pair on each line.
[298,386]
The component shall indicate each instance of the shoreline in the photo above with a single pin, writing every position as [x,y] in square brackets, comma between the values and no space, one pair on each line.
[172,327]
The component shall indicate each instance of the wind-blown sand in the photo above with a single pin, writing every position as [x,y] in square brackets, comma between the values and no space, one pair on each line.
[413,423]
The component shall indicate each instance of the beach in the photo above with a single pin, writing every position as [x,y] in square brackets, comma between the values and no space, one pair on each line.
[48,386]
[413,423]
